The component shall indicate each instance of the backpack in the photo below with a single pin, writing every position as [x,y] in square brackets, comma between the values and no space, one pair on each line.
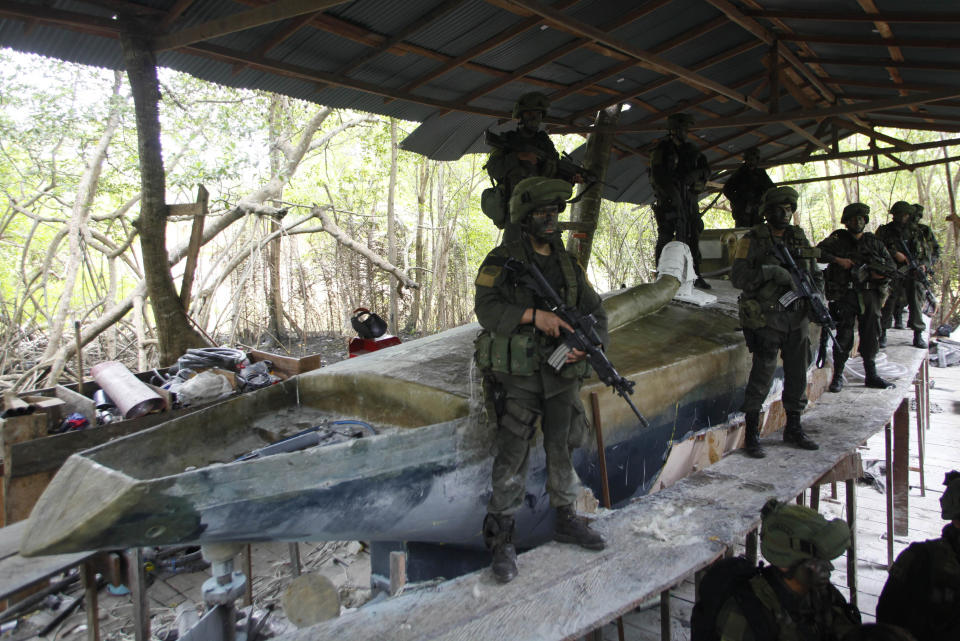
[725,578]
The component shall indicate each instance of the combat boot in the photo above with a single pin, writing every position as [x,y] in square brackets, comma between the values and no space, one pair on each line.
[794,435]
[898,321]
[871,378]
[918,339]
[700,283]
[498,537]
[571,528]
[751,436]
[883,338]
[836,383]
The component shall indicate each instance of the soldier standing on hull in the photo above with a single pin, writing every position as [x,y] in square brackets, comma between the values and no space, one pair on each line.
[903,230]
[745,188]
[769,327]
[678,173]
[922,593]
[931,249]
[856,284]
[537,156]
[792,598]
[519,335]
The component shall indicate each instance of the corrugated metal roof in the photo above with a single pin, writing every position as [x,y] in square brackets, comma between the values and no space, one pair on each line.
[456,73]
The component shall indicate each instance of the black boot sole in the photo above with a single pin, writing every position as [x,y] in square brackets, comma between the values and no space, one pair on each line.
[562,538]
[754,452]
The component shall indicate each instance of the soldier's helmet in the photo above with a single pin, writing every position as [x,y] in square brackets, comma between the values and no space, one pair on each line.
[751,155]
[533,101]
[901,207]
[778,196]
[950,500]
[917,211]
[681,120]
[855,209]
[537,191]
[792,533]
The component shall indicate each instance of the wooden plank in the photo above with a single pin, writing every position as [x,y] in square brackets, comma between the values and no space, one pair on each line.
[652,544]
[19,495]
[193,248]
[17,572]
[901,468]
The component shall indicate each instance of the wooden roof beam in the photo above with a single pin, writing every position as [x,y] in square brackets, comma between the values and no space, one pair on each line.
[855,41]
[907,124]
[898,144]
[843,16]
[872,172]
[65,19]
[645,59]
[859,153]
[259,16]
[880,62]
[175,12]
[286,31]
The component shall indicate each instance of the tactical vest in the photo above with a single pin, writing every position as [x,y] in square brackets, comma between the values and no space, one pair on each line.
[522,352]
[867,250]
[756,304]
[832,609]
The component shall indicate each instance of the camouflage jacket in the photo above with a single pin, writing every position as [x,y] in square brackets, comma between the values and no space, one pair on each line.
[922,593]
[783,615]
[677,172]
[755,250]
[503,165]
[931,246]
[501,300]
[746,187]
[912,236]
[869,254]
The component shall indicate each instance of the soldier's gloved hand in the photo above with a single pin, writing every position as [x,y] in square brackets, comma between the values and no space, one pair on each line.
[777,274]
[846,263]
[549,323]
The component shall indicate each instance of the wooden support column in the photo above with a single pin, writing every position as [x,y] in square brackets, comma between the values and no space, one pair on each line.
[595,159]
[920,387]
[88,576]
[888,474]
[295,558]
[815,496]
[137,583]
[665,615]
[398,572]
[852,549]
[901,468]
[248,570]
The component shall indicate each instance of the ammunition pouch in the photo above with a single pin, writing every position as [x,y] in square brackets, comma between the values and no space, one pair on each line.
[518,420]
[515,354]
[751,314]
[493,203]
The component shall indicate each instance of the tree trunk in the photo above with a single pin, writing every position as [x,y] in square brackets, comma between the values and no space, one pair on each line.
[595,159]
[174,331]
[392,228]
[423,182]
[274,296]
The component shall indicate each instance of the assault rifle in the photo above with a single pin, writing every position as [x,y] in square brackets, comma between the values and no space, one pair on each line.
[566,168]
[804,287]
[919,273]
[584,336]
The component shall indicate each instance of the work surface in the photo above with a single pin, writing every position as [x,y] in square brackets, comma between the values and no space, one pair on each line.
[563,592]
[17,572]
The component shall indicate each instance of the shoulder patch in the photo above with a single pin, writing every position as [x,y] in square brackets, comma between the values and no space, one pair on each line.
[743,248]
[488,275]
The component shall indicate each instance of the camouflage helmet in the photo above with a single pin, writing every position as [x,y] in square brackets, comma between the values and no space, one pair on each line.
[791,533]
[679,120]
[917,211]
[855,209]
[778,196]
[533,101]
[950,501]
[901,207]
[538,191]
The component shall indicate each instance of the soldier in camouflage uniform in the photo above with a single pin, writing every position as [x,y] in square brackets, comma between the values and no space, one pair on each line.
[519,335]
[768,327]
[857,281]
[902,229]
[745,188]
[792,599]
[922,593]
[678,173]
[507,167]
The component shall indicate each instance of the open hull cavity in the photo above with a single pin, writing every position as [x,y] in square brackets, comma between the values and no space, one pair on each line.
[425,474]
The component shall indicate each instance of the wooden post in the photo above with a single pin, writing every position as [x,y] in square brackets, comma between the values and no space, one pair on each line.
[852,549]
[604,480]
[248,570]
[665,615]
[833,490]
[815,497]
[88,575]
[138,594]
[750,547]
[193,249]
[398,572]
[888,458]
[918,386]
[295,558]
[901,468]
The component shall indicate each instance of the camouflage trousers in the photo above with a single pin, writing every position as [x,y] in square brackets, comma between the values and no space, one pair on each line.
[861,311]
[911,292]
[561,420]
[787,334]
